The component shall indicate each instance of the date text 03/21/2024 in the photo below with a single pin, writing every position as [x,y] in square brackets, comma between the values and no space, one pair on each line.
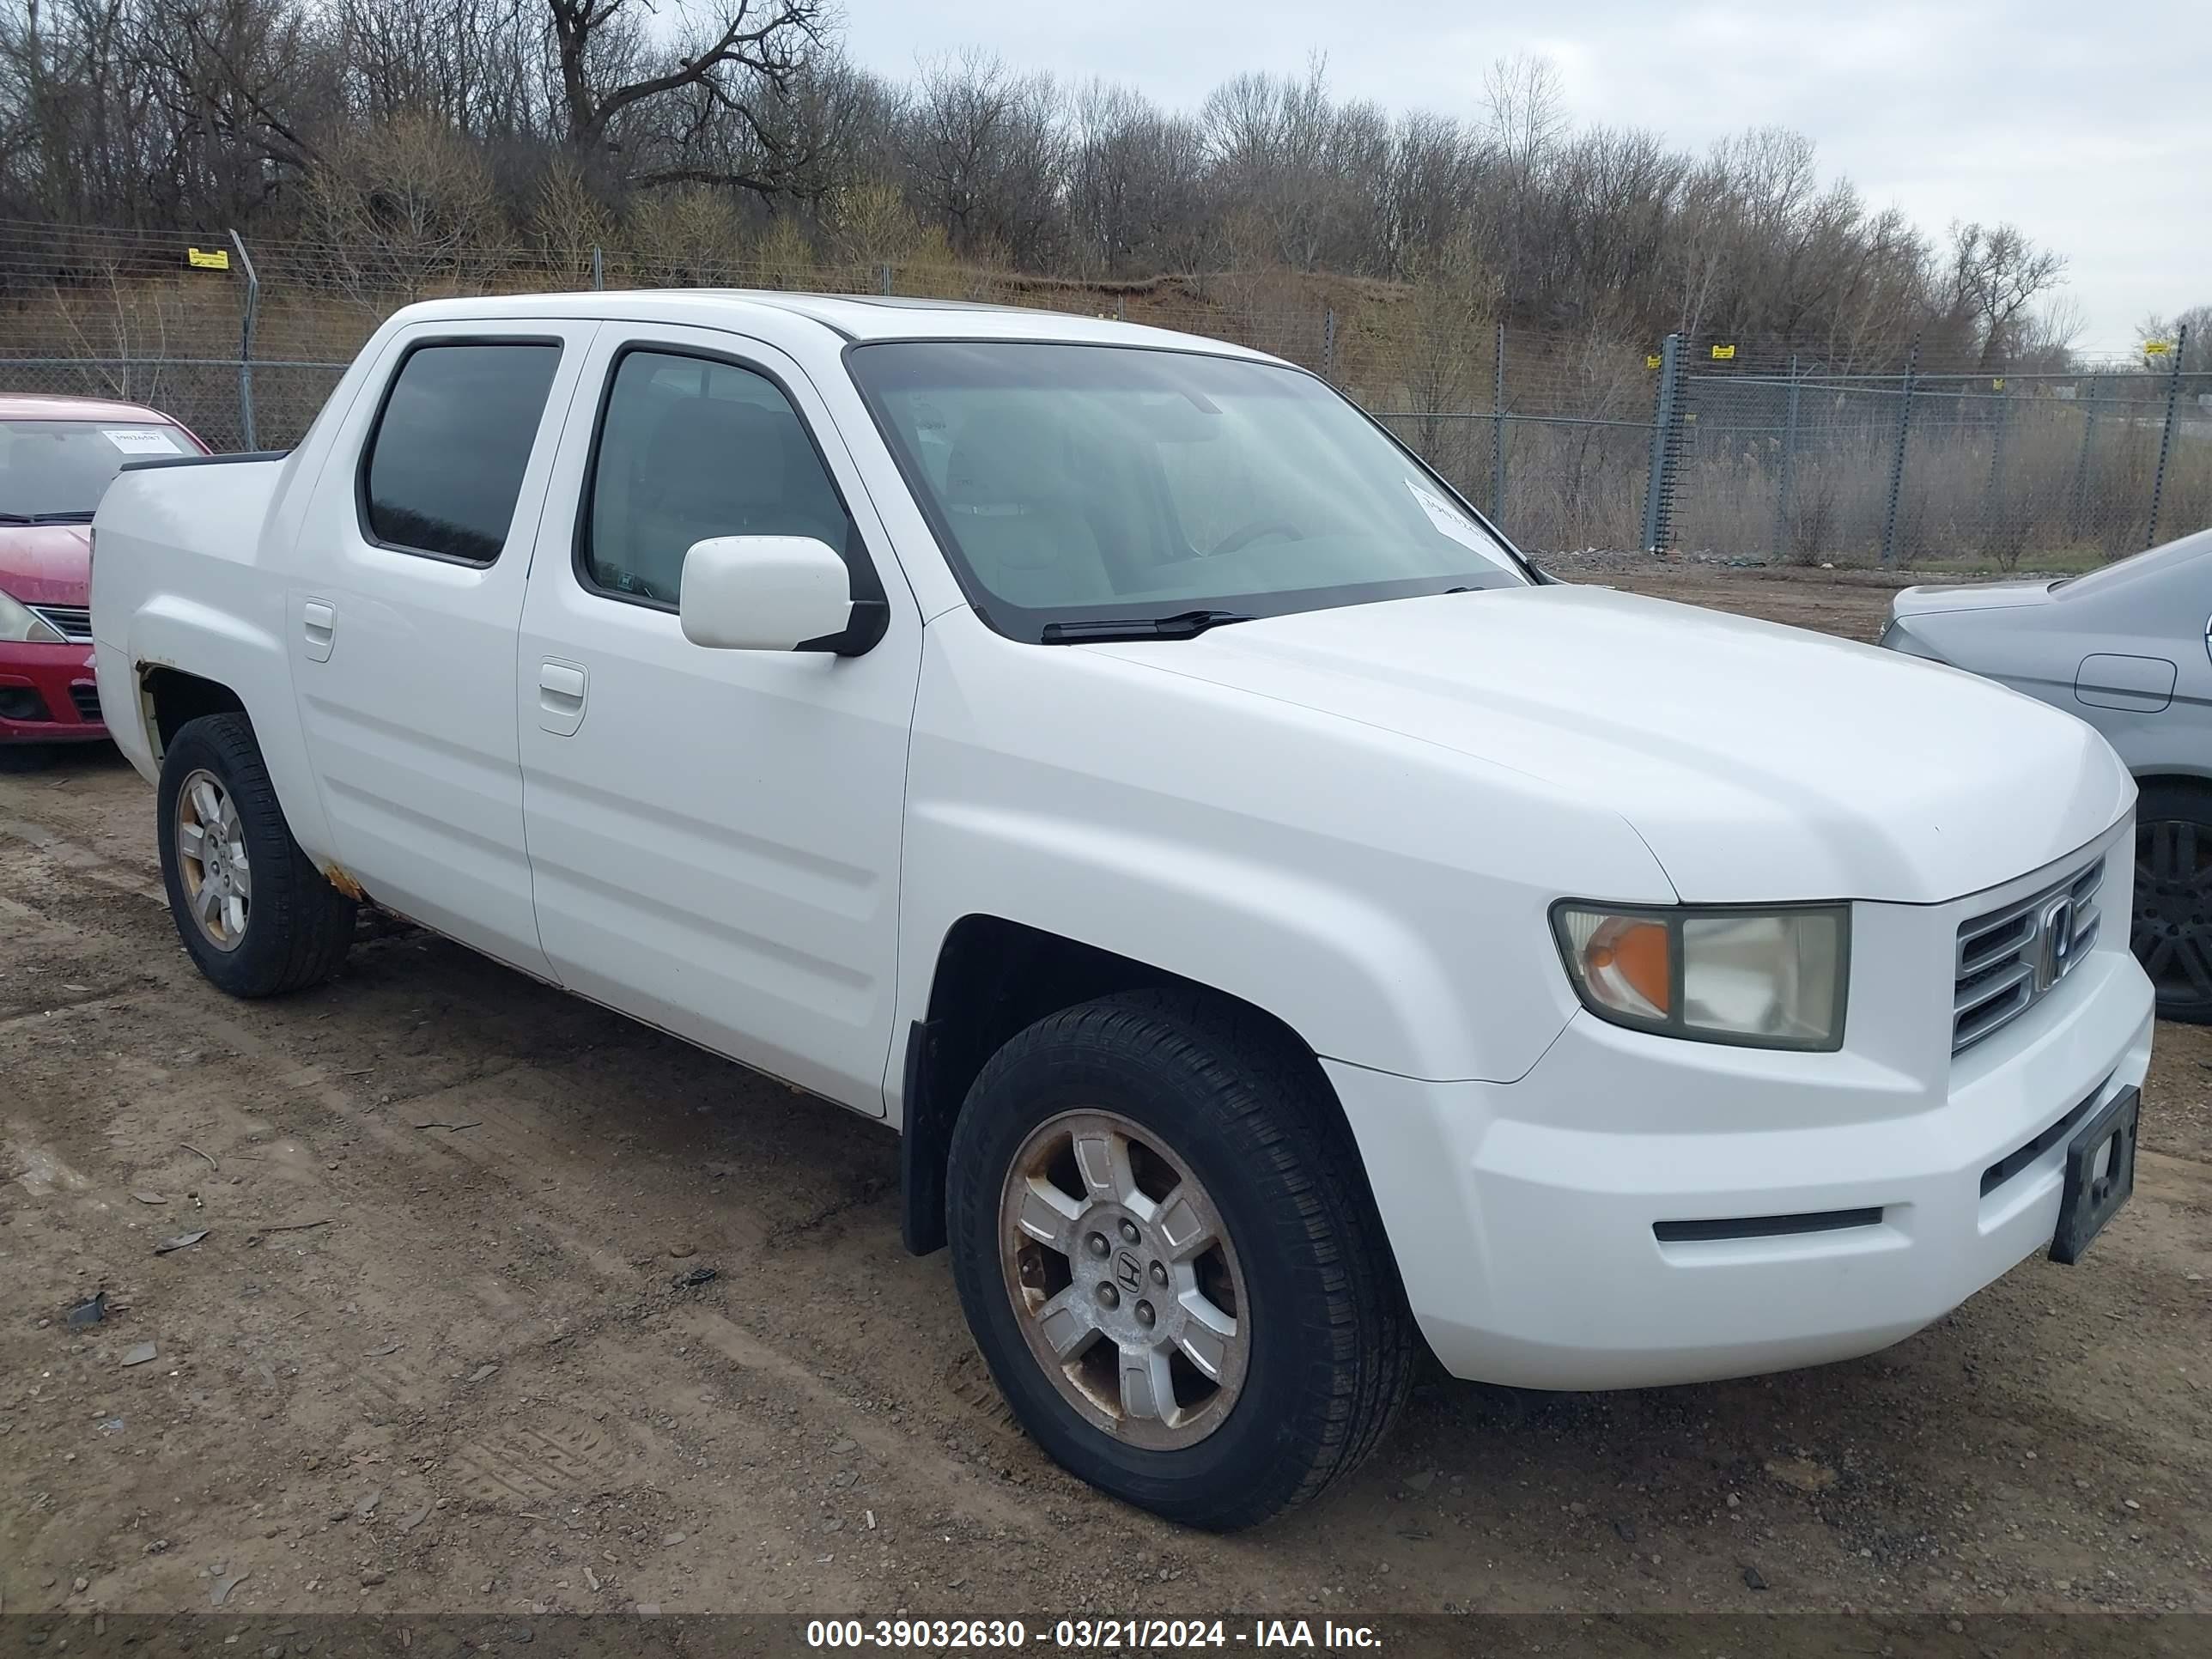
[1090,1633]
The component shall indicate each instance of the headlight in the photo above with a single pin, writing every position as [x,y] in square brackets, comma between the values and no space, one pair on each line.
[1764,979]
[18,626]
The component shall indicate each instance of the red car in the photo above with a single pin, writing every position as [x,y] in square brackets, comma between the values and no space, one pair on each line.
[57,455]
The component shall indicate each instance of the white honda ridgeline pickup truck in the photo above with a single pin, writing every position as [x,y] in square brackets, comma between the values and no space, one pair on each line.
[1285,927]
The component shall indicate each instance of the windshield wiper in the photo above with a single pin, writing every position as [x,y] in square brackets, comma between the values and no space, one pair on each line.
[15,518]
[83,517]
[1183,625]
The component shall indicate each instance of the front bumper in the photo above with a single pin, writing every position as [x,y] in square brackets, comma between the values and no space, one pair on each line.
[47,694]
[1558,1232]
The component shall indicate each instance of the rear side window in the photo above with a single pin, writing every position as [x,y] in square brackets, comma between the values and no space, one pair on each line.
[446,461]
[691,448]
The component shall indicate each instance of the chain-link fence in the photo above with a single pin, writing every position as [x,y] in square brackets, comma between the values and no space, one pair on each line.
[1572,439]
[1789,456]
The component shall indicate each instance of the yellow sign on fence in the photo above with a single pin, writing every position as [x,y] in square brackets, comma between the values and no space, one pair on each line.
[1723,353]
[203,258]
[1650,360]
[2157,348]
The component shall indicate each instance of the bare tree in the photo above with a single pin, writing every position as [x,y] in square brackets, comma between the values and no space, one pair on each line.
[709,135]
[1996,275]
[239,78]
[1526,103]
[1449,339]
[1426,184]
[2196,350]
[473,63]
[621,90]
[986,151]
[832,127]
[1526,109]
[686,235]
[408,208]
[568,222]
[1136,197]
[2045,344]
[871,225]
[1288,158]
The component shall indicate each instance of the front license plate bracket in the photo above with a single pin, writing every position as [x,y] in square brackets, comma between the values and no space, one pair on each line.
[2101,1173]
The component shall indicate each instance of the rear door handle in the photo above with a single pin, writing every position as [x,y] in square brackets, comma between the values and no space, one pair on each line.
[318,622]
[562,687]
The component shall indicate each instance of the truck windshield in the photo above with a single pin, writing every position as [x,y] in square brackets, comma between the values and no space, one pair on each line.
[54,471]
[1075,487]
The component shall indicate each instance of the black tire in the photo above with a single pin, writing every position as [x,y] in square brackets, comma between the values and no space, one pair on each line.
[2170,928]
[1332,1344]
[26,756]
[298,926]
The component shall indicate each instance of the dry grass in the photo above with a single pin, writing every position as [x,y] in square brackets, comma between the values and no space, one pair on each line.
[2060,493]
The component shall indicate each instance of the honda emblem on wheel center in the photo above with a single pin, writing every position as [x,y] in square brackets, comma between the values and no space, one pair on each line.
[1128,1270]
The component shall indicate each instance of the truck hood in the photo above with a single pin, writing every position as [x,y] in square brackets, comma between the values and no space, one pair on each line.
[46,564]
[1970,595]
[1760,763]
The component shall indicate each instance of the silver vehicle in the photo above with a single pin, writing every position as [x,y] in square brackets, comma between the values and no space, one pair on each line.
[2129,649]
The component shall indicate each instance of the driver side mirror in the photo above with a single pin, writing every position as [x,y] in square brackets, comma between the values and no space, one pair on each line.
[775,594]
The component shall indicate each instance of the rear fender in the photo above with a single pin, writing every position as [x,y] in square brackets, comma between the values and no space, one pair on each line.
[239,649]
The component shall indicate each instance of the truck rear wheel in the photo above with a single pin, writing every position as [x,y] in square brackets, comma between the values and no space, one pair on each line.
[255,914]
[1170,1261]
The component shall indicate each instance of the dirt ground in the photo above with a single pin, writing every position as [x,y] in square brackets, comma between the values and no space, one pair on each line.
[433,1352]
[1854,602]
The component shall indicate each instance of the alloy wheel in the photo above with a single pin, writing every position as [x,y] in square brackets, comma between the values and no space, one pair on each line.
[212,858]
[1124,1281]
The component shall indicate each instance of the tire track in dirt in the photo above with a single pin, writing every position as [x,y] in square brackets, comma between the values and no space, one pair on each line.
[535,1463]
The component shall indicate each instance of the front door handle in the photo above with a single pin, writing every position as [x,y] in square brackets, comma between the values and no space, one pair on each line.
[318,624]
[561,691]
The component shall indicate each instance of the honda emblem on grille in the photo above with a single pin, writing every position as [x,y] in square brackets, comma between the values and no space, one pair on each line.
[2054,942]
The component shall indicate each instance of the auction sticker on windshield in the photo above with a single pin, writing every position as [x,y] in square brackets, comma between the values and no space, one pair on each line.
[1450,520]
[140,442]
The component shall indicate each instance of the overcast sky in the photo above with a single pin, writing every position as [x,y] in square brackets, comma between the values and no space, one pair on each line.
[2088,122]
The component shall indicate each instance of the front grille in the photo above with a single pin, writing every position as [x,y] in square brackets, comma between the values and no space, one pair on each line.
[73,620]
[87,699]
[2009,960]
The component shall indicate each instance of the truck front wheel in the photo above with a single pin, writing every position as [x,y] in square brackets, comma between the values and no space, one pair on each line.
[255,914]
[1170,1259]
